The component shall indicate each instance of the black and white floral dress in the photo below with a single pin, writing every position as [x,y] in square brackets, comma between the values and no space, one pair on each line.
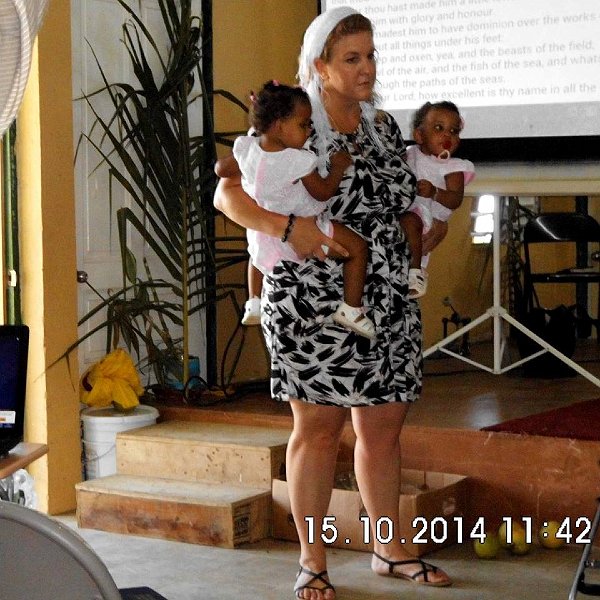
[316,360]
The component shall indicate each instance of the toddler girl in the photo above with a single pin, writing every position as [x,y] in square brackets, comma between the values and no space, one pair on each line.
[441,180]
[281,176]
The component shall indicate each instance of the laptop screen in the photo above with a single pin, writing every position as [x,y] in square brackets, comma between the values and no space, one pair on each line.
[14,346]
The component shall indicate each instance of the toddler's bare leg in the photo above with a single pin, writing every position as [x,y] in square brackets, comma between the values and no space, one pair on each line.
[413,228]
[251,314]
[255,279]
[355,265]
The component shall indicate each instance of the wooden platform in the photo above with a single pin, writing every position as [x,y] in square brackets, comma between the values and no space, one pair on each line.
[193,451]
[512,475]
[197,482]
[196,512]
[509,475]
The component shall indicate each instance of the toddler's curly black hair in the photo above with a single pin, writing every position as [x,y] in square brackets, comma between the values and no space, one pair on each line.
[274,101]
[421,112]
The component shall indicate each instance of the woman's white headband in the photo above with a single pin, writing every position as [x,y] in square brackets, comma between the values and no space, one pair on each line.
[314,41]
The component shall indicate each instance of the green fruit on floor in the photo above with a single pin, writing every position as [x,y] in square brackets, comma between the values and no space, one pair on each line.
[488,548]
[547,535]
[519,545]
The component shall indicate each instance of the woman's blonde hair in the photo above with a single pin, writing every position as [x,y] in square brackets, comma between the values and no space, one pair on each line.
[356,23]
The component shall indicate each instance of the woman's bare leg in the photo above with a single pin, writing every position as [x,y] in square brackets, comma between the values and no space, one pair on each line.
[377,469]
[310,469]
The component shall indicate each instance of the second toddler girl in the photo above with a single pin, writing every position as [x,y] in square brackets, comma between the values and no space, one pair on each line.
[441,180]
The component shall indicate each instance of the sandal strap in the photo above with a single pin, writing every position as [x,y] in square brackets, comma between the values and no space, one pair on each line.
[355,319]
[417,283]
[365,325]
[353,313]
[357,315]
[313,578]
[417,276]
[426,568]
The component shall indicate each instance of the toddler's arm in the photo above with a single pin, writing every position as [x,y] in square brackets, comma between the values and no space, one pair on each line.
[451,197]
[227,167]
[324,188]
[305,237]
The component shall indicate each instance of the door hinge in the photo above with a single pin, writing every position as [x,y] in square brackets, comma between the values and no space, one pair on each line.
[11,278]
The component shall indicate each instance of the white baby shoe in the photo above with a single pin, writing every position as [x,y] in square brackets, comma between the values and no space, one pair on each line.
[355,319]
[417,283]
[251,312]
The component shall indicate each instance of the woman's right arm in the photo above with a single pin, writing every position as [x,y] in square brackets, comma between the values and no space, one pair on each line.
[305,237]
[233,201]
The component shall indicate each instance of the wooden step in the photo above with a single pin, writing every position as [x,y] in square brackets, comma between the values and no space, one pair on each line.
[195,512]
[196,451]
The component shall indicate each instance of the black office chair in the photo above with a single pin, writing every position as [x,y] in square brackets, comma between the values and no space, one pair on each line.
[42,559]
[574,228]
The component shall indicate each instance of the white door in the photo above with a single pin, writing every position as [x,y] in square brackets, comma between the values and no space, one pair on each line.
[97,25]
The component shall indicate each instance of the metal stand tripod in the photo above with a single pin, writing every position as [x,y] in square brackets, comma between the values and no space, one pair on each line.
[497,313]
[579,582]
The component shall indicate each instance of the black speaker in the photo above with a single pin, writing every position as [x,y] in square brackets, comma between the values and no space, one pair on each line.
[556,326]
[14,349]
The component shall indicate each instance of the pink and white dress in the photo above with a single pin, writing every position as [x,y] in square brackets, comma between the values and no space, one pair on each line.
[272,179]
[434,169]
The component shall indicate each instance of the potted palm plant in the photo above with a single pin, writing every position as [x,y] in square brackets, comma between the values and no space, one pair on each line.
[149,150]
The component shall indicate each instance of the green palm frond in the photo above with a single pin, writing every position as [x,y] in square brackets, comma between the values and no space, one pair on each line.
[149,151]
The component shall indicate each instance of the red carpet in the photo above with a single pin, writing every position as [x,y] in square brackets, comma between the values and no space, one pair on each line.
[580,421]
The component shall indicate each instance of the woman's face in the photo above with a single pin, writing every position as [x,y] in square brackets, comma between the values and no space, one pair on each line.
[439,131]
[350,72]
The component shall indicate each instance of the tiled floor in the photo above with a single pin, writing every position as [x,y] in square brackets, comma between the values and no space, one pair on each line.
[464,397]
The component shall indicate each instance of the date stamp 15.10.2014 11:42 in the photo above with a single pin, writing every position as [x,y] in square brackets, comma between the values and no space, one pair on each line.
[438,529]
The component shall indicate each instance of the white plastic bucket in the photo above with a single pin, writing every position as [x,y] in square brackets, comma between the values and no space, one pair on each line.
[100,428]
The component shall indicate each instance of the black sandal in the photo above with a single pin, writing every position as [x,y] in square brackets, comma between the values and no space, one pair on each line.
[314,577]
[426,568]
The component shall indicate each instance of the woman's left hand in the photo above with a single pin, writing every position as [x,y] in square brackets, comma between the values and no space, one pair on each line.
[434,236]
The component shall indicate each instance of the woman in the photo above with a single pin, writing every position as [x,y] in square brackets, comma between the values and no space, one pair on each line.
[319,367]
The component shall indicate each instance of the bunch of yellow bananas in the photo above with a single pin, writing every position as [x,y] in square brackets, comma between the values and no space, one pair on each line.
[112,380]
